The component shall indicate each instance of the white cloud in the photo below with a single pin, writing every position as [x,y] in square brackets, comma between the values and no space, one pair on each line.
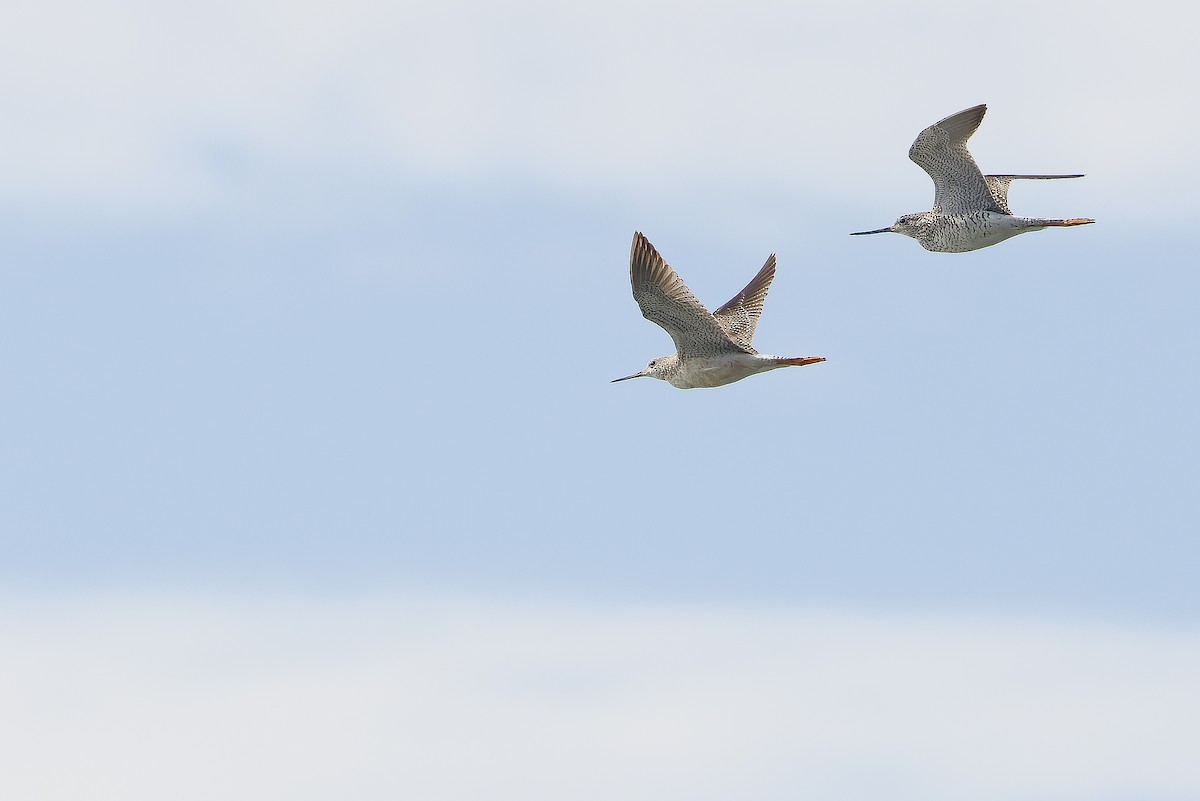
[155,697]
[126,103]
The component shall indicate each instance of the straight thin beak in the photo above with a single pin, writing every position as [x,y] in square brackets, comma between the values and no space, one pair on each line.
[626,378]
[876,231]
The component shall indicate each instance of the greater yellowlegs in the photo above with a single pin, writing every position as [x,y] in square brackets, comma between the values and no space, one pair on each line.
[712,348]
[970,209]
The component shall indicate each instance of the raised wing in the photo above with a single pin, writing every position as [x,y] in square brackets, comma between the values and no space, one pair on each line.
[998,184]
[739,317]
[941,151]
[666,301]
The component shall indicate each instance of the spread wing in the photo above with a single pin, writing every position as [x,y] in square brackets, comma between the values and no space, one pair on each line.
[998,184]
[941,151]
[666,301]
[739,317]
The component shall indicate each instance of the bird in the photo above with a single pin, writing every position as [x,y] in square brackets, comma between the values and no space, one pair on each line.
[712,348]
[970,209]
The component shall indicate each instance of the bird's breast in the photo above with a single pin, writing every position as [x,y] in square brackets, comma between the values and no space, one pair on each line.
[716,371]
[958,233]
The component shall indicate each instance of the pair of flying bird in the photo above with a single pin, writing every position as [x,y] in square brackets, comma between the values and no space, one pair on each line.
[970,211]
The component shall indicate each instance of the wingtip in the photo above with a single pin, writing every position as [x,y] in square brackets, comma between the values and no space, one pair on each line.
[962,124]
[640,249]
[641,244]
[1038,177]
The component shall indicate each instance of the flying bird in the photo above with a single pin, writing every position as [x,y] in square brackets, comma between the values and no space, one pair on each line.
[970,209]
[712,348]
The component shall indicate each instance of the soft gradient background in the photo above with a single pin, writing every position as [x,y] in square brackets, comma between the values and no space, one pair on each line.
[313,485]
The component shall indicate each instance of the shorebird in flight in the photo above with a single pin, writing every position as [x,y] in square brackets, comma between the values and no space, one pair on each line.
[970,209]
[712,348]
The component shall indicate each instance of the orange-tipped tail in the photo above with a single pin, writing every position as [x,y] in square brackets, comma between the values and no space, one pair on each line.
[799,361]
[1065,223]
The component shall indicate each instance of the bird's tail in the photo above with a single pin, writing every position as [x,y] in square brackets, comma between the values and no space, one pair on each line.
[1066,223]
[798,361]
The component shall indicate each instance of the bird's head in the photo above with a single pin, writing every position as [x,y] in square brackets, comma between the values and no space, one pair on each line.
[657,368]
[907,224]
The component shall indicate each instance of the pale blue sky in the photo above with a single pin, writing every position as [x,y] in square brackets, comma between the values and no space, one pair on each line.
[320,304]
[223,404]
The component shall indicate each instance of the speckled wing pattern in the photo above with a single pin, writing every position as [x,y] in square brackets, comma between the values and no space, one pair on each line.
[998,185]
[739,317]
[667,302]
[941,151]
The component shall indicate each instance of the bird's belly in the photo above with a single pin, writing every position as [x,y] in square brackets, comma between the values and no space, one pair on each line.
[959,233]
[715,371]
